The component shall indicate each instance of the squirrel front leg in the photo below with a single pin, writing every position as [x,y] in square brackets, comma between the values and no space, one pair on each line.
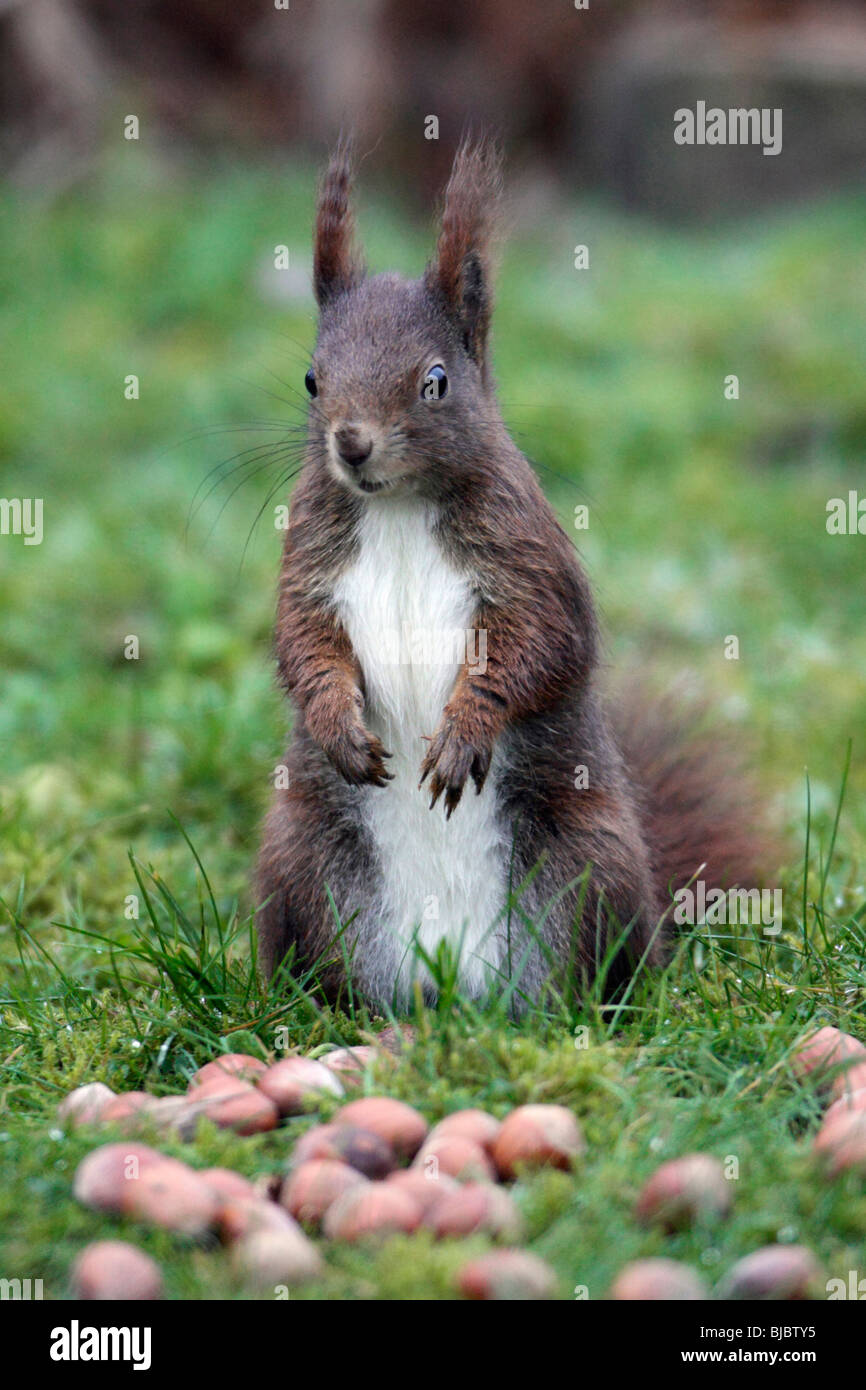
[320,670]
[531,661]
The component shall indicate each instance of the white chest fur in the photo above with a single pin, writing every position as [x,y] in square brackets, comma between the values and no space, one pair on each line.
[407,612]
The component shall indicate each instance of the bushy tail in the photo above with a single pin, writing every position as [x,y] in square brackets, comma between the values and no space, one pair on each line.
[698,803]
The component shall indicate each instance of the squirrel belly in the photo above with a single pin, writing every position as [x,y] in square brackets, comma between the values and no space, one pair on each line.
[408,613]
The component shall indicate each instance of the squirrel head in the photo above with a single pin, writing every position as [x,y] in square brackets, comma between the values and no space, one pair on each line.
[399,376]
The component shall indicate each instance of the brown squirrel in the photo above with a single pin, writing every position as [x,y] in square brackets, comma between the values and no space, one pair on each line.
[415,519]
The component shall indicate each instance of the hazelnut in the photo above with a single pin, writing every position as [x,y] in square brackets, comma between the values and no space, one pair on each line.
[270,1257]
[423,1188]
[774,1272]
[657,1279]
[685,1191]
[103,1178]
[399,1124]
[84,1105]
[371,1209]
[458,1157]
[833,1056]
[295,1082]
[172,1196]
[310,1190]
[535,1136]
[476,1125]
[236,1065]
[113,1269]
[476,1206]
[507,1275]
[360,1148]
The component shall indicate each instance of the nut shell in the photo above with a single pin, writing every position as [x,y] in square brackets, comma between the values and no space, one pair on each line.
[127,1111]
[374,1209]
[360,1148]
[310,1190]
[851,1100]
[424,1190]
[114,1269]
[397,1123]
[657,1279]
[235,1065]
[476,1125]
[84,1105]
[774,1272]
[267,1258]
[474,1207]
[456,1156]
[685,1191]
[347,1062]
[297,1083]
[841,1142]
[507,1275]
[104,1177]
[240,1217]
[833,1057]
[228,1185]
[535,1136]
[175,1198]
[238,1106]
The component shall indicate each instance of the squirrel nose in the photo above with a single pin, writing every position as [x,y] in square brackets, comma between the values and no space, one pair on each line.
[354,447]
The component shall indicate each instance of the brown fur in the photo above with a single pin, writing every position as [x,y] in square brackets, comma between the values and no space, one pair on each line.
[462,270]
[337,265]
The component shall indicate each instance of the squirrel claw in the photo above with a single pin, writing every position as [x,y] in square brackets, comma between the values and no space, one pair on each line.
[451,758]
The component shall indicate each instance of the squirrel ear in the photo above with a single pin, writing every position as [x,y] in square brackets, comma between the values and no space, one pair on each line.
[337,264]
[461,272]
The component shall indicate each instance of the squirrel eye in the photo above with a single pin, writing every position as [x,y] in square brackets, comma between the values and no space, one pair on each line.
[310,382]
[435,384]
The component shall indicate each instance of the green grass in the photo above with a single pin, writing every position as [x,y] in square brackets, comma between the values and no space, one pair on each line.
[706,519]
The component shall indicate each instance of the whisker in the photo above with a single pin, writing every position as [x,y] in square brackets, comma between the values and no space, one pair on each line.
[246,457]
[276,457]
[281,482]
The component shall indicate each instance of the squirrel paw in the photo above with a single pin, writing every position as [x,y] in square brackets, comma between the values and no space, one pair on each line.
[340,732]
[359,757]
[451,758]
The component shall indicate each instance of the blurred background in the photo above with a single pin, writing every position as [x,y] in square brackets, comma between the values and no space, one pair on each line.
[154,257]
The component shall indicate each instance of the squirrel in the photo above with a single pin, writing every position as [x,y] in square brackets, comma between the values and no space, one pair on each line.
[431,800]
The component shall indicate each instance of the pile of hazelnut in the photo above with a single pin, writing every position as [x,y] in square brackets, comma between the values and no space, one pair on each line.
[374,1170]
[377,1169]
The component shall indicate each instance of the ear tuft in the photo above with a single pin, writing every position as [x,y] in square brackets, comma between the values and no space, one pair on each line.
[337,263]
[461,272]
